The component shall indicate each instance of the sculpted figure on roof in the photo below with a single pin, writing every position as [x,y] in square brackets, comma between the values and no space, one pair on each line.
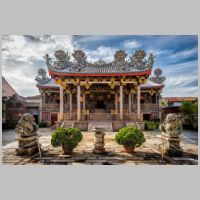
[80,64]
[62,59]
[137,59]
[120,59]
[80,59]
[42,77]
[157,78]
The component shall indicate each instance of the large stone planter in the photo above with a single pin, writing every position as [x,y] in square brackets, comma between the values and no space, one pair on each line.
[173,145]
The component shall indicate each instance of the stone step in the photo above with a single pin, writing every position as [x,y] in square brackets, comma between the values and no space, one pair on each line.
[100,110]
[108,125]
[131,124]
[68,124]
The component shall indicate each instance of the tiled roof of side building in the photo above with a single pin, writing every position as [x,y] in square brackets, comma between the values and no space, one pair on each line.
[179,99]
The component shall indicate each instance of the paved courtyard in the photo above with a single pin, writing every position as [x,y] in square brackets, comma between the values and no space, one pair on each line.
[148,153]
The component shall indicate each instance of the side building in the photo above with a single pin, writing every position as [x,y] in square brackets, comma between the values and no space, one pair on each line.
[13,104]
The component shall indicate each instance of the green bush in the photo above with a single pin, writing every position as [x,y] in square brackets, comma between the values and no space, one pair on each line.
[130,136]
[151,125]
[43,124]
[66,136]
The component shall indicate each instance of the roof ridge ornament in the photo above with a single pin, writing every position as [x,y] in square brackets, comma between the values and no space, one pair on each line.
[119,61]
[42,77]
[80,64]
[157,78]
[80,59]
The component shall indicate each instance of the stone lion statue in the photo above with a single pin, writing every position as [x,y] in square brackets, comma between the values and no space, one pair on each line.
[26,125]
[172,125]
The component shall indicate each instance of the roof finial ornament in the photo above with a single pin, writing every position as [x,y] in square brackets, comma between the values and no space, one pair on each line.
[48,59]
[137,59]
[120,56]
[151,60]
[42,77]
[80,58]
[157,78]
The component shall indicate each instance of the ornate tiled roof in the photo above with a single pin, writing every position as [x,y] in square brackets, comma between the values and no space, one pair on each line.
[61,64]
[52,84]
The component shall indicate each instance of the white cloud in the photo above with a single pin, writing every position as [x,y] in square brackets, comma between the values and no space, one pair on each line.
[22,56]
[105,53]
[184,54]
[131,44]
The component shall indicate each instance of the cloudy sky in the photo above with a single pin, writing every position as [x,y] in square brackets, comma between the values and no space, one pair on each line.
[177,56]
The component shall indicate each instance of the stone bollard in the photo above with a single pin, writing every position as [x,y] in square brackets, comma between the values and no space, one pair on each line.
[26,128]
[99,140]
[170,134]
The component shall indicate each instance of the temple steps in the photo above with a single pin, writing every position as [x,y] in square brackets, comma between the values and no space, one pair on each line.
[68,124]
[131,124]
[100,110]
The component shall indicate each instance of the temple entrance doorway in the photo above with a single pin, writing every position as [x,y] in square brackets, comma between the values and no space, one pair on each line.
[100,102]
[53,118]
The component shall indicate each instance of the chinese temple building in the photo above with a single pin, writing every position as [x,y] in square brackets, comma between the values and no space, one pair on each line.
[80,91]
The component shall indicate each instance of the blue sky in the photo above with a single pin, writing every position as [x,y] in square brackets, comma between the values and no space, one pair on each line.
[176,55]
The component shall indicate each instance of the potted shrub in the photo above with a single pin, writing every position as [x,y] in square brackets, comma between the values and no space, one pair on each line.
[68,138]
[130,137]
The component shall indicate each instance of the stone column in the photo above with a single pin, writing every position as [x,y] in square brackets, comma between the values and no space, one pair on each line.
[116,104]
[41,105]
[121,101]
[78,102]
[138,102]
[70,104]
[83,101]
[159,105]
[61,103]
[129,102]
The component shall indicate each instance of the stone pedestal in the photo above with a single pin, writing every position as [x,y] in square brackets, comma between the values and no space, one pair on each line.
[173,145]
[28,145]
[99,141]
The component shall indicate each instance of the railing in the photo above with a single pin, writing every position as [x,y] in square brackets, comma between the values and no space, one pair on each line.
[102,117]
[52,106]
[146,107]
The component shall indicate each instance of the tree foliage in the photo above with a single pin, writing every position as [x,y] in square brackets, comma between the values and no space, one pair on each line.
[188,108]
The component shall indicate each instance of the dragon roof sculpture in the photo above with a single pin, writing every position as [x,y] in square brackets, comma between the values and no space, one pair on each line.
[61,63]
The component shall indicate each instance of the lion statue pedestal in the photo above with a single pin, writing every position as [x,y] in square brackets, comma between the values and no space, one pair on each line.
[170,132]
[26,128]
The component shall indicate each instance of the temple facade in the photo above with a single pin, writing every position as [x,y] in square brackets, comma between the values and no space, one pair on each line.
[81,91]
